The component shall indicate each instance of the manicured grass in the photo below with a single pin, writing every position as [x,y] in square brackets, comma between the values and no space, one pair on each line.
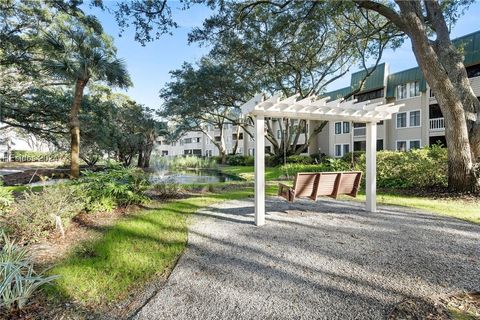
[132,252]
[468,210]
[247,172]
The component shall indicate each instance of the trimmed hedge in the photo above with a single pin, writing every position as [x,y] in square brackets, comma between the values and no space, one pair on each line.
[239,160]
[420,168]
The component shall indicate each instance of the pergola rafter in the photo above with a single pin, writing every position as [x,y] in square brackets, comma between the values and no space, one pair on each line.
[315,108]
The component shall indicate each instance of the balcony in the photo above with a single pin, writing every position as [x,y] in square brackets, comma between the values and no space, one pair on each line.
[359,132]
[437,124]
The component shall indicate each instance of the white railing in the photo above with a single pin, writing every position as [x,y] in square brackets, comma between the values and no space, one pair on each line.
[437,124]
[359,132]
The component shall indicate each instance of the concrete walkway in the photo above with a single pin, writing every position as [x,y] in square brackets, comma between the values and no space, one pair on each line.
[324,260]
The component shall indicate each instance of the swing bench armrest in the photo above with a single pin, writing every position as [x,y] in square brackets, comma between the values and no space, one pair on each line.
[286,191]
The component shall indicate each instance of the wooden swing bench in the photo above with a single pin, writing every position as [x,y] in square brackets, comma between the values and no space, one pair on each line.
[312,185]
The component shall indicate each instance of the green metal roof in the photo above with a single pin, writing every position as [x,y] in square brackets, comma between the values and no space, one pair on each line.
[470,45]
[339,93]
[374,81]
[409,75]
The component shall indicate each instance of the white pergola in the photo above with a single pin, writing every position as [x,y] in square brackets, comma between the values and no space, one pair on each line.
[315,108]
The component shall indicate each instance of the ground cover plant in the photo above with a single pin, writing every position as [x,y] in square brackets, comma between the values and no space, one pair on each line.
[37,215]
[116,186]
[18,279]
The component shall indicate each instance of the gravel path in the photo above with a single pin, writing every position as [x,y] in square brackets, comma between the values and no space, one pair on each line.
[324,260]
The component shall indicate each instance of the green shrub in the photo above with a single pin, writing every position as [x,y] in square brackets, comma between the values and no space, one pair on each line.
[168,189]
[18,279]
[328,165]
[420,168]
[37,215]
[240,160]
[116,186]
[301,159]
[6,198]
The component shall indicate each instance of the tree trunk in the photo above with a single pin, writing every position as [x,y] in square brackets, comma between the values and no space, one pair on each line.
[461,175]
[443,69]
[141,159]
[148,151]
[74,124]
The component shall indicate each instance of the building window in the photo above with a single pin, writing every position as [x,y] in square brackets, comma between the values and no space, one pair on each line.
[379,144]
[341,149]
[408,90]
[401,145]
[414,144]
[338,127]
[187,140]
[434,111]
[359,145]
[362,145]
[371,95]
[346,127]
[415,118]
[338,150]
[414,89]
[402,91]
[402,120]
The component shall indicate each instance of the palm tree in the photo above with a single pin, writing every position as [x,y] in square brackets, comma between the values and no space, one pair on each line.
[79,53]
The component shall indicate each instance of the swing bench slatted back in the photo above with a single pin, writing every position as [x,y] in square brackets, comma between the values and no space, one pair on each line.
[330,184]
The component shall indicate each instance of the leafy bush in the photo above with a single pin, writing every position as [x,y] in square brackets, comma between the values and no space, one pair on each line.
[6,198]
[420,168]
[328,165]
[116,186]
[18,279]
[37,215]
[168,189]
[302,159]
[240,160]
[38,156]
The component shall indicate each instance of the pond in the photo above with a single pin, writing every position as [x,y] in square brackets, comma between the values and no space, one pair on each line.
[191,176]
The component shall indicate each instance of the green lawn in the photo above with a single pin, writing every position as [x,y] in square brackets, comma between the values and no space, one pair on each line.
[468,210]
[132,252]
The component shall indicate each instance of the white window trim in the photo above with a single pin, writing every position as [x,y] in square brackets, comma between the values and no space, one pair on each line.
[341,149]
[349,127]
[419,143]
[407,144]
[335,127]
[408,84]
[408,120]
[396,145]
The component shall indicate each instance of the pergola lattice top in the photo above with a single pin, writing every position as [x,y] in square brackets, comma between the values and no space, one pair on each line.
[315,108]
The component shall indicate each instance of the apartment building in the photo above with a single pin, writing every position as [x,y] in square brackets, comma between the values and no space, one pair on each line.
[419,122]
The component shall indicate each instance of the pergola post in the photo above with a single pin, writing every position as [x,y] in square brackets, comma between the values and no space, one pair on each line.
[371,170]
[259,170]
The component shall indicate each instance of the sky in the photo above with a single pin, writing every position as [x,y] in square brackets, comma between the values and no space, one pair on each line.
[149,65]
